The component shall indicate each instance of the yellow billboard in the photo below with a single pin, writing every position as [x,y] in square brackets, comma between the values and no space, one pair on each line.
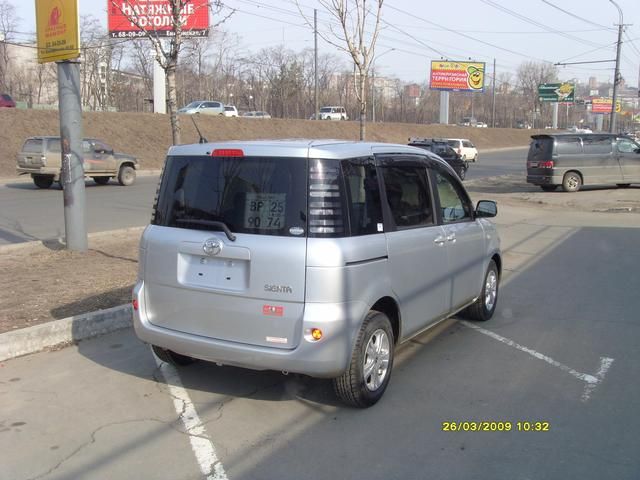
[58,30]
[457,76]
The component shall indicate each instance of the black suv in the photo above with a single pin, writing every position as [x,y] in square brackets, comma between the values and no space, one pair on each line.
[440,147]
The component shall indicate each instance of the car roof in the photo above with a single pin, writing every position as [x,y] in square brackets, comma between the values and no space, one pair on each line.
[303,148]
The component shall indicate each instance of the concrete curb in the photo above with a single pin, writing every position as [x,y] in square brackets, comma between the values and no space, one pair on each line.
[60,332]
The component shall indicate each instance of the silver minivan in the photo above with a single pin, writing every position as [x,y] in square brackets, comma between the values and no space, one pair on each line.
[576,159]
[316,257]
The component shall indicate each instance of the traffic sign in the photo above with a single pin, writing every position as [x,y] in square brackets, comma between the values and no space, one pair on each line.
[556,92]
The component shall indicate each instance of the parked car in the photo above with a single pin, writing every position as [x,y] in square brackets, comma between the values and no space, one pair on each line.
[6,101]
[257,114]
[574,160]
[230,111]
[576,129]
[464,148]
[440,147]
[203,107]
[40,157]
[315,257]
[332,113]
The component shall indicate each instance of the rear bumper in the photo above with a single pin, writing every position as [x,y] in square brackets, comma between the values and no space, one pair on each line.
[550,179]
[54,172]
[327,358]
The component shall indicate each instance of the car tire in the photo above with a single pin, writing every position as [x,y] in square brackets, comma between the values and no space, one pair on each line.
[571,182]
[475,158]
[369,371]
[623,185]
[172,358]
[485,305]
[101,180]
[126,175]
[42,181]
[549,188]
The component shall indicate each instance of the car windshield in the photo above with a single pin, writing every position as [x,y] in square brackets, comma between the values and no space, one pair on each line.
[258,195]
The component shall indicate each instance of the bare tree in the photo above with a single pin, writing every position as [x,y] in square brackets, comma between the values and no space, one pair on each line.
[352,37]
[532,74]
[167,55]
[9,22]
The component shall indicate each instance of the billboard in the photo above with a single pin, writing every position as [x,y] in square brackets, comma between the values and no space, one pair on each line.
[556,92]
[57,30]
[126,18]
[603,105]
[457,76]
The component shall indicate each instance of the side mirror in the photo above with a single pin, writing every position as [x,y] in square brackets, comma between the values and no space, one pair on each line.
[486,209]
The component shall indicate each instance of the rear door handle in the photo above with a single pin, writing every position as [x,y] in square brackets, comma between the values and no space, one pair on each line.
[439,240]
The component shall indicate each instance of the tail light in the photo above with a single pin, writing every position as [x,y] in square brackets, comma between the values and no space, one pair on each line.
[547,164]
[325,202]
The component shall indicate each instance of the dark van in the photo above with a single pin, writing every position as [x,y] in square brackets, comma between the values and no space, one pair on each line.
[574,160]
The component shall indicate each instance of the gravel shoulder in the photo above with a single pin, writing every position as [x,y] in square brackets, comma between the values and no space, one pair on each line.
[42,282]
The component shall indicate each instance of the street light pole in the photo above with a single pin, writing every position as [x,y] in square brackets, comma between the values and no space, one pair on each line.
[616,76]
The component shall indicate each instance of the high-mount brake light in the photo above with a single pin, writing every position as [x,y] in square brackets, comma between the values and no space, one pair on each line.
[227,152]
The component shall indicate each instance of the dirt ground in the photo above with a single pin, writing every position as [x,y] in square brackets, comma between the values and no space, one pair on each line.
[148,135]
[44,282]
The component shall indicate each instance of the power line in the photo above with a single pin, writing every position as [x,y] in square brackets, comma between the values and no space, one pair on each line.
[576,16]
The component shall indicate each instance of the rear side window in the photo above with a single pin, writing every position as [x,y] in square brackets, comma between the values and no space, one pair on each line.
[363,196]
[467,144]
[407,190]
[453,143]
[597,144]
[53,145]
[568,145]
[32,145]
[257,195]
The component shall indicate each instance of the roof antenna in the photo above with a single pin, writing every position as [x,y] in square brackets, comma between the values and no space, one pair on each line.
[202,139]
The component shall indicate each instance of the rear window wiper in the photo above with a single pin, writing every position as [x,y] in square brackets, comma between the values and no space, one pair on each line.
[211,223]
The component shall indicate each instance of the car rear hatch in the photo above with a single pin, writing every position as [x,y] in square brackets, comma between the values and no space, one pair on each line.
[32,154]
[540,157]
[246,285]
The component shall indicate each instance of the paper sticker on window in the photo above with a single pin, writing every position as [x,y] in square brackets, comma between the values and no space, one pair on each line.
[265,211]
[380,228]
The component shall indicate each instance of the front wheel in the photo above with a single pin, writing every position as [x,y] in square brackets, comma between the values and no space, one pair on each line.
[369,371]
[126,175]
[484,307]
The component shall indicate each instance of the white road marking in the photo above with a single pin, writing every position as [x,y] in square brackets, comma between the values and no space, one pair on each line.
[592,381]
[201,444]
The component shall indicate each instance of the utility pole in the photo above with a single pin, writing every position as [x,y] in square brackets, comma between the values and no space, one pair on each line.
[616,76]
[315,63]
[493,100]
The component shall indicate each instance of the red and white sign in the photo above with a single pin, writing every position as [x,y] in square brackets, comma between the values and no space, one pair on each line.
[132,18]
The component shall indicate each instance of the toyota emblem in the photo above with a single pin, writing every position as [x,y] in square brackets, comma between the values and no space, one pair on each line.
[212,247]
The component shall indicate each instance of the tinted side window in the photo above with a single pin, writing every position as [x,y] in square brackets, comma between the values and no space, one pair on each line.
[596,144]
[33,145]
[568,145]
[53,145]
[454,205]
[408,195]
[467,144]
[363,196]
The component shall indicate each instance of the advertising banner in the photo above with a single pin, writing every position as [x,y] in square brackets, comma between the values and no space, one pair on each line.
[57,30]
[556,92]
[603,105]
[132,18]
[457,76]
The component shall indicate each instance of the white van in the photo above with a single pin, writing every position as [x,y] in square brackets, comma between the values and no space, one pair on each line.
[333,113]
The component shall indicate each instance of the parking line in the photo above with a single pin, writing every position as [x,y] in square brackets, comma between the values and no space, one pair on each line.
[592,381]
[201,444]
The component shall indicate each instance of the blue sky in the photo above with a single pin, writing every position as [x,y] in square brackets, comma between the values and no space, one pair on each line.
[416,32]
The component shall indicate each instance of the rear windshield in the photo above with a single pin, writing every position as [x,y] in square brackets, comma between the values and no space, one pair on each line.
[32,145]
[258,195]
[541,149]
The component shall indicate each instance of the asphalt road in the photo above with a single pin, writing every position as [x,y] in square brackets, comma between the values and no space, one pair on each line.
[561,352]
[29,213]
